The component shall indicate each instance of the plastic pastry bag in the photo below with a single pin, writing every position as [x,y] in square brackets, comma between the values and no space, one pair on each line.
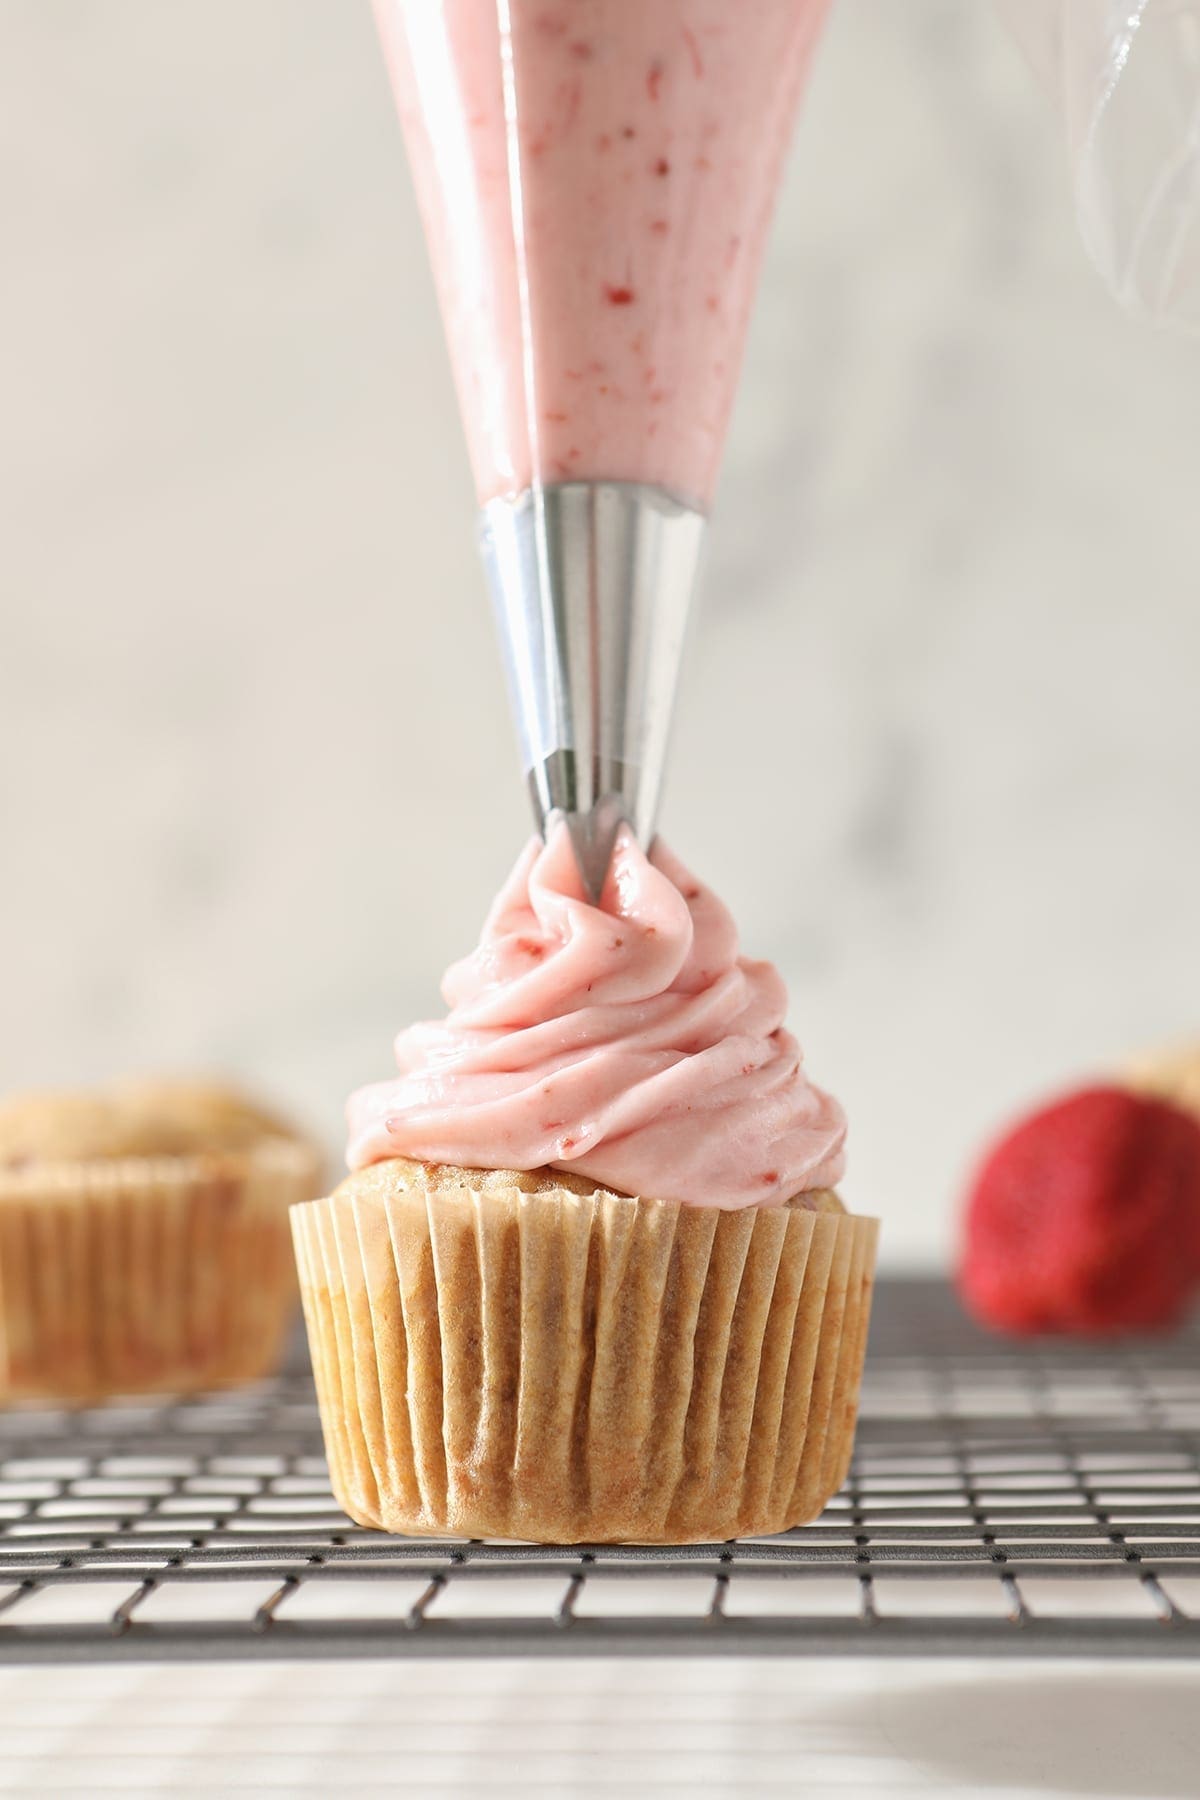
[1125,78]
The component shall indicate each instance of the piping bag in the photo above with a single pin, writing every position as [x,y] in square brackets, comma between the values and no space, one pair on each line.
[596,179]
[1124,77]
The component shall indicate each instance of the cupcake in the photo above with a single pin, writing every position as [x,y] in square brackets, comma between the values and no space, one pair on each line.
[1170,1074]
[144,1239]
[588,1279]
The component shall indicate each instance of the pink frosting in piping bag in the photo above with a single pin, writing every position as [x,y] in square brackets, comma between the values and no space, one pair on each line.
[628,1042]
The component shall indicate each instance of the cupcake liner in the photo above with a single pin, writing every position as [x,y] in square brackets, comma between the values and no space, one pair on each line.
[567,1366]
[147,1274]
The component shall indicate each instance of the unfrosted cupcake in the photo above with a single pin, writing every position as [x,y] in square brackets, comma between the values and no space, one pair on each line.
[144,1239]
[589,1280]
[1172,1074]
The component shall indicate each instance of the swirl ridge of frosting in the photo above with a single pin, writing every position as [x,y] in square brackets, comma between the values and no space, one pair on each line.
[629,1042]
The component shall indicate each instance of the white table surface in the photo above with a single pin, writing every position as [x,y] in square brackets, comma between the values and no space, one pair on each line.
[1006,1730]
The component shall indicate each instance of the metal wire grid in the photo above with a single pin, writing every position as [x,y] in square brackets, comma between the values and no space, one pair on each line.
[1003,1501]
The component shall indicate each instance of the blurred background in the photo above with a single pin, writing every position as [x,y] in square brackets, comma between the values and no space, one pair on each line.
[939,744]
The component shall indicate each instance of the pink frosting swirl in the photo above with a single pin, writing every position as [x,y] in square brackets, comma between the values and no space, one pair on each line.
[628,1042]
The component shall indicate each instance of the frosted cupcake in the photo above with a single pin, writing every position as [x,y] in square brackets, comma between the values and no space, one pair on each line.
[144,1240]
[589,1279]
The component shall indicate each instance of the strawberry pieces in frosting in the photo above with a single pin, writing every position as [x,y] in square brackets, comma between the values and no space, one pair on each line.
[1085,1219]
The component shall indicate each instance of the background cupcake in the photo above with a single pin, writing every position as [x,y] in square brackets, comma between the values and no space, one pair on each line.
[1171,1073]
[143,1238]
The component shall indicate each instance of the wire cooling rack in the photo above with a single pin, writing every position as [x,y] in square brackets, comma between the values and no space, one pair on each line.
[1004,1500]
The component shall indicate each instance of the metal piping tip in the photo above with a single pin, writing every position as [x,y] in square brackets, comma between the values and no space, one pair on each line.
[593,837]
[591,584]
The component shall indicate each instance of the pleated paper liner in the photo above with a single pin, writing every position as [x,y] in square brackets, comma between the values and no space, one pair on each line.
[164,1274]
[523,1356]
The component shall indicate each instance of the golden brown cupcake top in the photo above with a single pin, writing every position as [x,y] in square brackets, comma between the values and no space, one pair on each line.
[142,1118]
[1169,1074]
[397,1173]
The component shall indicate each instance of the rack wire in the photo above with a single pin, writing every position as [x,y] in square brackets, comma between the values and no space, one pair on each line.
[1004,1500]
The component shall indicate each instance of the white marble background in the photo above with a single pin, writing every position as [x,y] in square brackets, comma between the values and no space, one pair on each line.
[940,744]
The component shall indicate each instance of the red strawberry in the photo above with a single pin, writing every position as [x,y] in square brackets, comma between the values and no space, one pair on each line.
[1086,1218]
